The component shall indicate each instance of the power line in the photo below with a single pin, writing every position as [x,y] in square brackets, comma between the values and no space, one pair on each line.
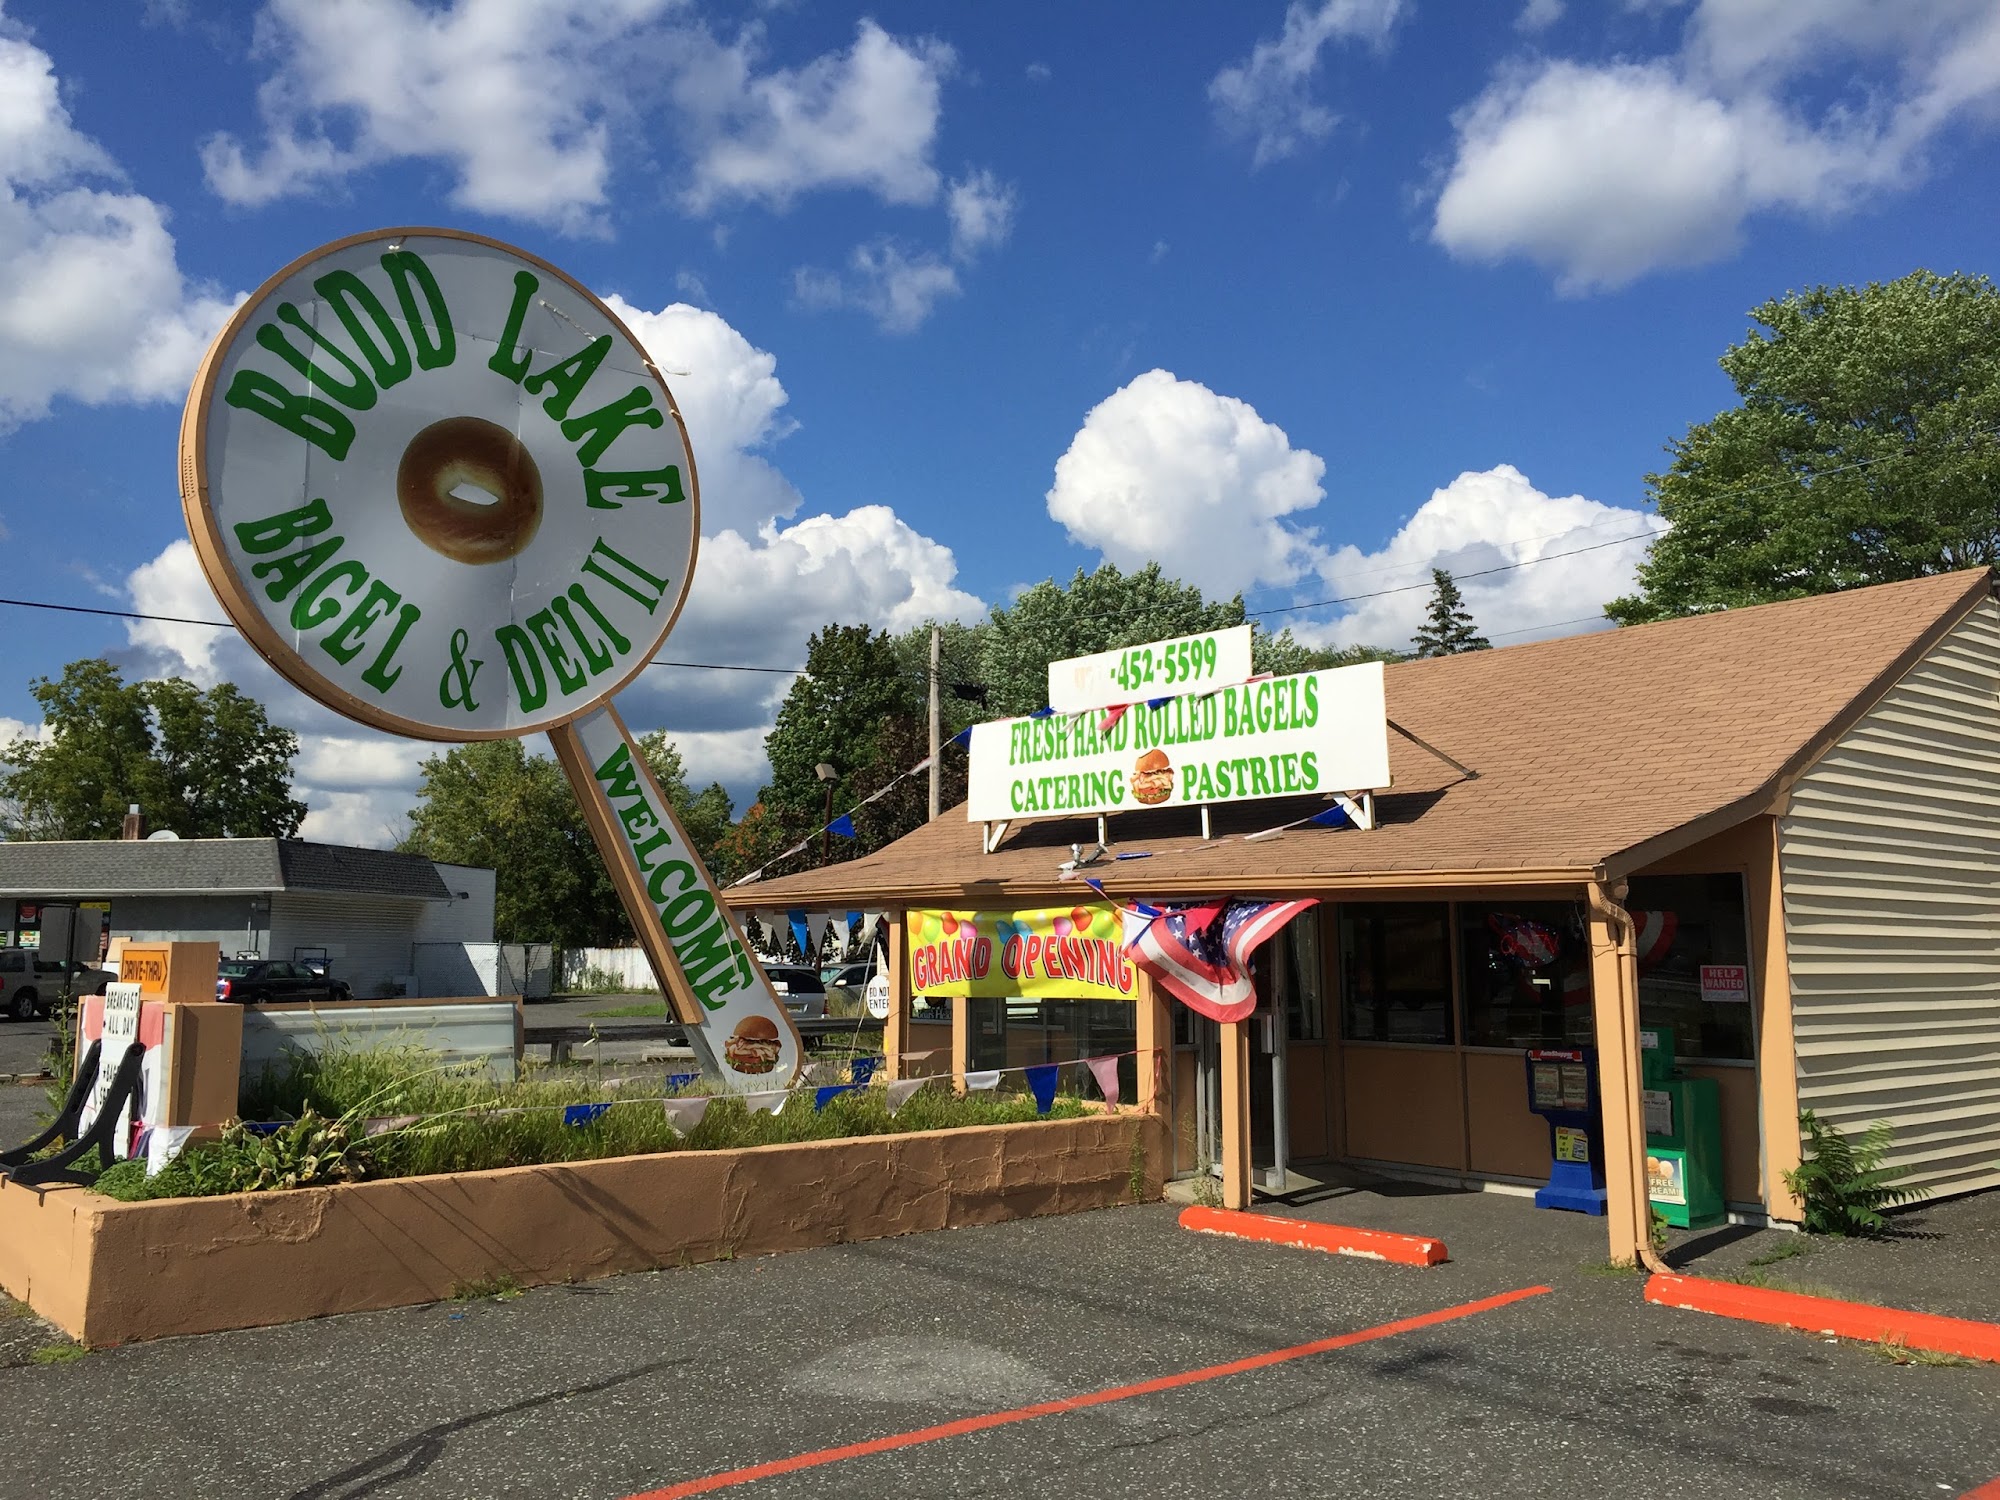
[129,614]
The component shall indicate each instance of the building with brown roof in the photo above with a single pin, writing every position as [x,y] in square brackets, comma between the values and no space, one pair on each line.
[1770,837]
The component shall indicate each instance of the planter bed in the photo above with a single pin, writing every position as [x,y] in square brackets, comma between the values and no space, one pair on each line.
[108,1272]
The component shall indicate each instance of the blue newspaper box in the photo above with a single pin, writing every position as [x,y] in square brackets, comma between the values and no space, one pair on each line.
[1562,1089]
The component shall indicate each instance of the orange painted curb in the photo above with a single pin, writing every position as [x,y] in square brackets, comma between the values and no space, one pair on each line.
[1304,1234]
[1965,1337]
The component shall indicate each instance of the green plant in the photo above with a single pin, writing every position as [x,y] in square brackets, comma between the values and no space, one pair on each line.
[1842,1182]
[58,1354]
[501,1288]
[1137,1162]
[1656,1231]
[1610,1268]
[1892,1350]
[1786,1249]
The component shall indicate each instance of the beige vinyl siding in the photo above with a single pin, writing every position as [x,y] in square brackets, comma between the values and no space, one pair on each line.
[1890,862]
[368,939]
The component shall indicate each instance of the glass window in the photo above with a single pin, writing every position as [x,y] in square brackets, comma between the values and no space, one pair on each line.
[1395,972]
[1292,963]
[1019,1033]
[1526,968]
[1694,961]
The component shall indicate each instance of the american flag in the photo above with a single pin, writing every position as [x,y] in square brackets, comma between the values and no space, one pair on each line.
[1201,954]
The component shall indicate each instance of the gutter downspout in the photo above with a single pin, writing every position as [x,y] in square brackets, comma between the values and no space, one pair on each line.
[1607,900]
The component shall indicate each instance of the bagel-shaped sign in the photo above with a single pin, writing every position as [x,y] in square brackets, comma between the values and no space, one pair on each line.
[440,486]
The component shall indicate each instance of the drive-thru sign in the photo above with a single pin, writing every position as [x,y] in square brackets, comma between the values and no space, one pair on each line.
[444,491]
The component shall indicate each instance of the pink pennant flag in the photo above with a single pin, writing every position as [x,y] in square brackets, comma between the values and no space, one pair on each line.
[1112,715]
[899,1092]
[684,1114]
[976,1083]
[1105,1071]
[770,1100]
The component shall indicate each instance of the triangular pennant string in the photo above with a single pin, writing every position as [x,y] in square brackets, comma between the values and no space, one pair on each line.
[1105,1071]
[770,1100]
[899,1092]
[978,1083]
[685,1114]
[1042,1083]
[823,1096]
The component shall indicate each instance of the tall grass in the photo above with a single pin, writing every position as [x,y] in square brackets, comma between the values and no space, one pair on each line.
[458,1132]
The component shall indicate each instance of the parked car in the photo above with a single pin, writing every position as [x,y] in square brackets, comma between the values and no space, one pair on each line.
[800,988]
[30,985]
[847,985]
[254,981]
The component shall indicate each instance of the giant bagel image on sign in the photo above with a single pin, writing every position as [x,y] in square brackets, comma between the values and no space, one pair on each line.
[439,485]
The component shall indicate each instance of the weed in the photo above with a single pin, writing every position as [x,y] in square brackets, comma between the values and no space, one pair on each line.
[58,1354]
[657,1009]
[1843,1183]
[501,1288]
[1791,1246]
[1894,1351]
[1611,1268]
[1137,1177]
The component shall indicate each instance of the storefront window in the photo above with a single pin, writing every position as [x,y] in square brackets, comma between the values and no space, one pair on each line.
[1395,972]
[1526,969]
[1290,962]
[1021,1033]
[1694,961]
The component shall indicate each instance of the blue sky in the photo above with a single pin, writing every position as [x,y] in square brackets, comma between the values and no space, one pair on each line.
[1297,300]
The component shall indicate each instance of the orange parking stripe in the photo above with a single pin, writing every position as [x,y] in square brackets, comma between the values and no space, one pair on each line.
[1847,1320]
[1305,1234]
[729,1478]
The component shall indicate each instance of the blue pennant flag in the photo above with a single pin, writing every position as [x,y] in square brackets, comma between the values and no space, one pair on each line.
[1042,1081]
[1333,817]
[800,931]
[842,825]
[1095,885]
[681,1080]
[1041,713]
[964,736]
[579,1115]
[1158,702]
[828,1091]
[861,1069]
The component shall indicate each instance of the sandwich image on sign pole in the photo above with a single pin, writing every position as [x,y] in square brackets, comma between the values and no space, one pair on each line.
[1153,778]
[444,491]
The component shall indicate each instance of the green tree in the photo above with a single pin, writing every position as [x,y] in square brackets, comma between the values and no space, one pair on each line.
[704,815]
[200,764]
[1866,448]
[1448,628]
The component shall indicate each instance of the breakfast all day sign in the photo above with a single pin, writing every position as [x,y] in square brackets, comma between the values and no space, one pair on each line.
[1285,736]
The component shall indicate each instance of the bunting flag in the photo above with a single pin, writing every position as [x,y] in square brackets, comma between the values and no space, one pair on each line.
[843,826]
[1105,1071]
[861,1069]
[1042,1084]
[899,1092]
[978,1083]
[685,1114]
[578,1115]
[678,1081]
[821,1096]
[801,933]
[1111,717]
[770,1100]
[821,924]
[1201,954]
[162,1144]
[391,1122]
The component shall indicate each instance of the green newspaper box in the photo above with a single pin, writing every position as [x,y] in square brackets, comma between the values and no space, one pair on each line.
[1683,1136]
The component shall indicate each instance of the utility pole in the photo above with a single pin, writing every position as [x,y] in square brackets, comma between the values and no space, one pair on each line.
[936,788]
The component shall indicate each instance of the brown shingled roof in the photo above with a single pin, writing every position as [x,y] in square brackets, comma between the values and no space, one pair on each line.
[1595,751]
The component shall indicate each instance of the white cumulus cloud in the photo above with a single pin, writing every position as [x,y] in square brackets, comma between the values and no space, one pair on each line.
[93,303]
[1268,97]
[1602,172]
[982,213]
[1167,470]
[898,288]
[1491,519]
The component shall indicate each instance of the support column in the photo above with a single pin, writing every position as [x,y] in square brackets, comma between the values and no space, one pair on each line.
[1236,1114]
[1155,1044]
[961,1041]
[896,1030]
[1614,994]
[1777,1041]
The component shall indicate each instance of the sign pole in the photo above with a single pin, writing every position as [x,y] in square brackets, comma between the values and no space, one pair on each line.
[737,1026]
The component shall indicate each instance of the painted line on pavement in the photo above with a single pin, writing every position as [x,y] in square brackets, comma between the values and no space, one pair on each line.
[1848,1320]
[1307,1234]
[729,1478]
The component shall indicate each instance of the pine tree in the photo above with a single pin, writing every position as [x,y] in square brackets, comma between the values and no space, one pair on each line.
[1448,629]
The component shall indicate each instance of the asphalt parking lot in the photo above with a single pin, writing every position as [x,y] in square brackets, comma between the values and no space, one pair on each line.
[933,1354]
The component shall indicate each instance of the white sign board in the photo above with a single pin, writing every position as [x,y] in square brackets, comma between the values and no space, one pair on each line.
[1186,664]
[876,996]
[439,485]
[1288,736]
[121,1031]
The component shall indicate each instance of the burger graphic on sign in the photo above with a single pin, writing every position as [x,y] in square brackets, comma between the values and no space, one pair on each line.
[753,1046]
[1153,778]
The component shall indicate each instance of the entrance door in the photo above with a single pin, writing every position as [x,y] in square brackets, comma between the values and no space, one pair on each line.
[1268,1146]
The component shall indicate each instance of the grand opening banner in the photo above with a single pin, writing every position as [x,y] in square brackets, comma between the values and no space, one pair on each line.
[1050,953]
[1313,732]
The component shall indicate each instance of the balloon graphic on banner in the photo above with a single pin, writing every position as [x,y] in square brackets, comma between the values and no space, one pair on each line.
[444,491]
